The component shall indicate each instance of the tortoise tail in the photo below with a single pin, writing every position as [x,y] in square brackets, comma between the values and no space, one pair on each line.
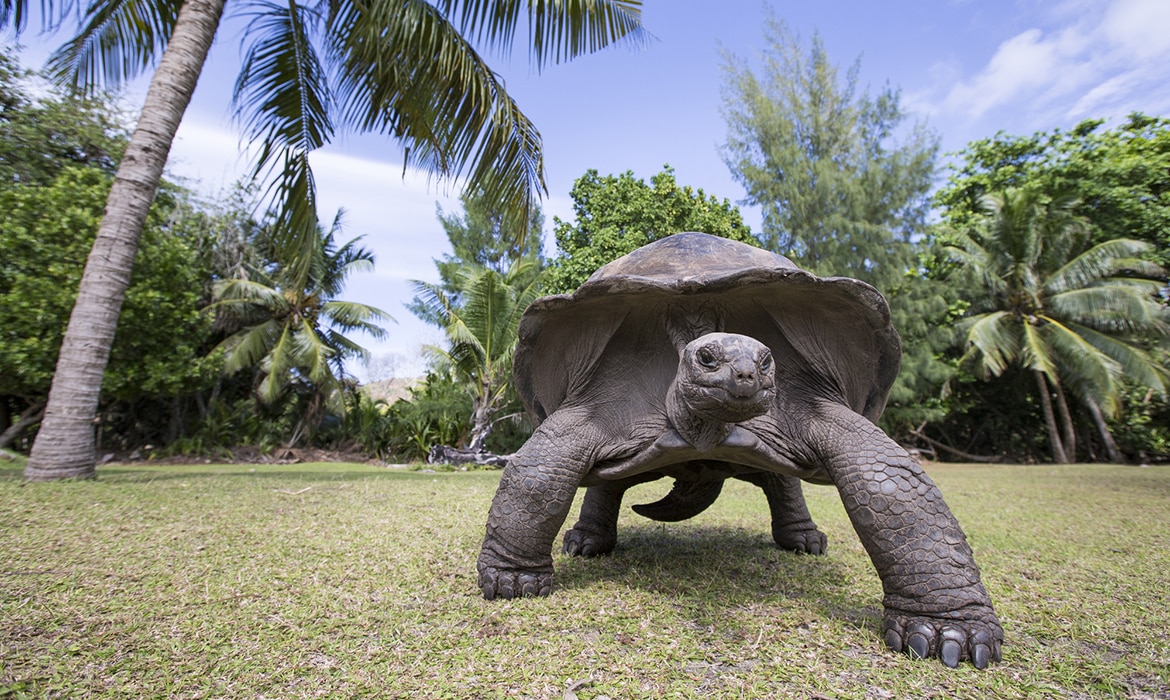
[685,500]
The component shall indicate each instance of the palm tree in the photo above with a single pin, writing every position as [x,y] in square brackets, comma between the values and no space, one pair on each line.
[483,333]
[283,313]
[403,68]
[1073,315]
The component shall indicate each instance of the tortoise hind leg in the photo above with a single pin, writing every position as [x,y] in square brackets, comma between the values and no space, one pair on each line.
[595,532]
[792,525]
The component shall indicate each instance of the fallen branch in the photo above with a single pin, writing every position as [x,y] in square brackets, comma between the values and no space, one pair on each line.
[30,417]
[958,453]
[444,454]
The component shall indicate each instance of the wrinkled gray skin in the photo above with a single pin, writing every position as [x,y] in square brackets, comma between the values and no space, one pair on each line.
[704,359]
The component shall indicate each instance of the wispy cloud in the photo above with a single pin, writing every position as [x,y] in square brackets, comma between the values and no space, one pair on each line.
[1090,59]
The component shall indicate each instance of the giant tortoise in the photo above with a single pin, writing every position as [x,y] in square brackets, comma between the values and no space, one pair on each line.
[701,358]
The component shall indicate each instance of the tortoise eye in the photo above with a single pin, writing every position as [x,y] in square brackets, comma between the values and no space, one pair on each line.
[766,362]
[707,358]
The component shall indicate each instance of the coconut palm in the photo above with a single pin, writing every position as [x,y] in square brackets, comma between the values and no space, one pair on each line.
[406,69]
[292,326]
[1075,316]
[482,332]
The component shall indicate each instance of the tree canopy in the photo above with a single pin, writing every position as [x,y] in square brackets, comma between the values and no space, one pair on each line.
[840,195]
[1119,177]
[1071,313]
[405,70]
[843,186]
[616,214]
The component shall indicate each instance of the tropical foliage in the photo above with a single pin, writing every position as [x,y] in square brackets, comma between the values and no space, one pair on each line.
[482,334]
[616,214]
[292,326]
[405,70]
[843,184]
[1074,315]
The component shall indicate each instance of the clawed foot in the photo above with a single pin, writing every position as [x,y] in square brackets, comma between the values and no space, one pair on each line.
[977,638]
[802,539]
[508,583]
[584,543]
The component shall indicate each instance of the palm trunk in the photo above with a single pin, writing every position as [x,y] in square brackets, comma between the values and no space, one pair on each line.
[481,418]
[64,447]
[1058,454]
[1111,449]
[1068,431]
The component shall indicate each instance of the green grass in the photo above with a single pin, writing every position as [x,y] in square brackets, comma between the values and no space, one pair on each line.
[352,581]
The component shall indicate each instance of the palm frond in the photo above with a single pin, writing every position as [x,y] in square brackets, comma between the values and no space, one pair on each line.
[1035,351]
[433,299]
[993,341]
[1099,262]
[248,347]
[14,14]
[281,95]
[1137,364]
[349,315]
[120,39]
[237,291]
[405,70]
[312,353]
[1091,374]
[296,231]
[560,30]
[1122,306]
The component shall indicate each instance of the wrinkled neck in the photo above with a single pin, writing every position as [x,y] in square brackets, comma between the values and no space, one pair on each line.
[701,432]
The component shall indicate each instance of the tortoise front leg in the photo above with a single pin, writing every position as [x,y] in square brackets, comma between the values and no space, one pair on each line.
[935,604]
[792,525]
[530,505]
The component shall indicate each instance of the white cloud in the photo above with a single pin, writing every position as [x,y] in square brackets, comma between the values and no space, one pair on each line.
[393,211]
[1104,59]
[1139,28]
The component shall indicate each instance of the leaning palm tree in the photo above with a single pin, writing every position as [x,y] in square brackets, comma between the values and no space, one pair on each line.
[1075,316]
[403,68]
[292,326]
[482,333]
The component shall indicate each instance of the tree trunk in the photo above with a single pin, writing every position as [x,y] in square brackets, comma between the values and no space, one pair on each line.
[1068,432]
[1058,454]
[64,447]
[1111,449]
[481,419]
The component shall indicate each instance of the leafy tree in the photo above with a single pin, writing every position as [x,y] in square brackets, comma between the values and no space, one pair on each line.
[406,70]
[45,233]
[840,194]
[618,214]
[483,333]
[1071,313]
[293,326]
[1120,177]
[43,132]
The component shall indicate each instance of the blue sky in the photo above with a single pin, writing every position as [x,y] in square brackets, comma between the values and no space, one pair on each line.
[968,68]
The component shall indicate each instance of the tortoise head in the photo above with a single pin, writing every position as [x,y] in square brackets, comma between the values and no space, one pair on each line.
[722,379]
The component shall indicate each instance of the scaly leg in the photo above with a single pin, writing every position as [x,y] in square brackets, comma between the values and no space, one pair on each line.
[792,525]
[530,505]
[935,604]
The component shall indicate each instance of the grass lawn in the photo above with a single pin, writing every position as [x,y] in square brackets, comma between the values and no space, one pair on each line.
[353,581]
